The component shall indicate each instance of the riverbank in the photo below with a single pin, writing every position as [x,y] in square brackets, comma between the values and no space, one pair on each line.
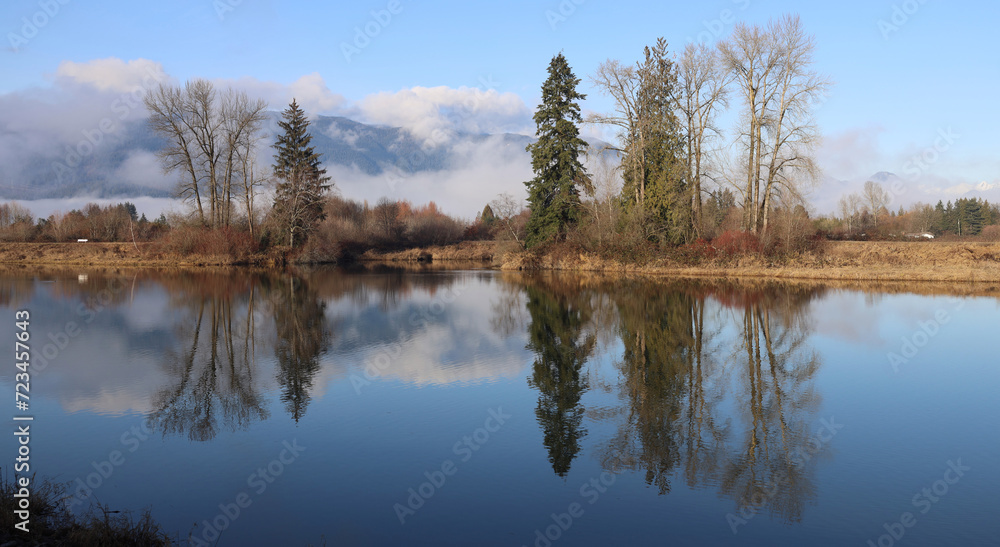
[879,261]
[866,261]
[117,255]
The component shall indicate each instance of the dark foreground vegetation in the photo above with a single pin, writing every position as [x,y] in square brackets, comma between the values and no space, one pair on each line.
[51,523]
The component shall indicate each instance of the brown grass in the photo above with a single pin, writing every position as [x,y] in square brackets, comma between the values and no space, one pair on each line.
[880,261]
[841,260]
[119,254]
[468,251]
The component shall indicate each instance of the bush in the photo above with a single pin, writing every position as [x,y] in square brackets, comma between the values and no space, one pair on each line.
[991,233]
[733,242]
[193,240]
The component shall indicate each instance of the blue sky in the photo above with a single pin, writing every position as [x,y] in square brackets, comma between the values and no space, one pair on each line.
[895,89]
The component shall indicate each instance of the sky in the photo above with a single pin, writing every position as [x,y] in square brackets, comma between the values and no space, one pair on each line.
[914,82]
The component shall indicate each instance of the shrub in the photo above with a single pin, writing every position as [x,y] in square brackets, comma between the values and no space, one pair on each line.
[193,240]
[733,242]
[991,233]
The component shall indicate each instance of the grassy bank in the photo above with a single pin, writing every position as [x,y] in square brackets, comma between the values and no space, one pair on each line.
[831,260]
[121,254]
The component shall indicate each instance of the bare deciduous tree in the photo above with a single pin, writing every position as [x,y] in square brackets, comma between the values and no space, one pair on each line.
[212,140]
[703,89]
[850,206]
[623,84]
[875,198]
[507,211]
[771,66]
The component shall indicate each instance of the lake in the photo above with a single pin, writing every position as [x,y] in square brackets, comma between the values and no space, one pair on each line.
[473,407]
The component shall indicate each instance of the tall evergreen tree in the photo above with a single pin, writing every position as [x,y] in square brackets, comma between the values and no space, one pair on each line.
[665,199]
[301,182]
[553,196]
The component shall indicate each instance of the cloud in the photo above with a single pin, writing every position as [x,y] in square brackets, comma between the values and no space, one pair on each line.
[476,173]
[852,153]
[435,114]
[48,125]
[143,168]
[111,74]
[310,91]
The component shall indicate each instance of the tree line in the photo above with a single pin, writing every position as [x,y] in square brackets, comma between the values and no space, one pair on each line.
[674,161]
[868,214]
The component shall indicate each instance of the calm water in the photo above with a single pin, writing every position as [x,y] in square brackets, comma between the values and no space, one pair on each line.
[487,408]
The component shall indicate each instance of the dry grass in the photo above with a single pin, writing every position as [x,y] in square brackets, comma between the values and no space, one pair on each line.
[843,260]
[52,524]
[468,251]
[835,260]
[116,254]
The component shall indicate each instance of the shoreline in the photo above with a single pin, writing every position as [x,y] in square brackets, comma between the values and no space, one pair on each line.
[835,261]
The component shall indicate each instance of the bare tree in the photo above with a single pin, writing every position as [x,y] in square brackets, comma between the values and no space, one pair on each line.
[703,90]
[386,216]
[623,84]
[771,68]
[507,211]
[875,198]
[169,118]
[242,118]
[850,206]
[600,194]
[213,140]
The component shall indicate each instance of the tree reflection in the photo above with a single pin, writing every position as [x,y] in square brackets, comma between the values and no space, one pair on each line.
[555,330]
[778,402]
[213,375]
[302,336]
[683,396]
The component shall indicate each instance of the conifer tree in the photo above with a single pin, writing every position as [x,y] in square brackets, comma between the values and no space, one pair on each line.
[301,182]
[553,196]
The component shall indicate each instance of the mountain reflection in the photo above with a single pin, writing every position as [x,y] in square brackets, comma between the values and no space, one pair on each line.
[715,383]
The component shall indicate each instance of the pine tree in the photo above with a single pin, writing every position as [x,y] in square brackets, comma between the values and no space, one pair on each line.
[553,196]
[487,217]
[666,201]
[301,182]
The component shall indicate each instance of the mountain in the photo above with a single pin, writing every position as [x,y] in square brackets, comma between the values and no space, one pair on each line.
[124,164]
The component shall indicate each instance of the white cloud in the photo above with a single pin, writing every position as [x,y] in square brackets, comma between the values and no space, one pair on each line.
[435,114]
[310,91]
[478,173]
[112,74]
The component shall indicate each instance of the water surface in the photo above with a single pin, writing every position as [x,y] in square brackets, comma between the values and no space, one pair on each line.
[389,407]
